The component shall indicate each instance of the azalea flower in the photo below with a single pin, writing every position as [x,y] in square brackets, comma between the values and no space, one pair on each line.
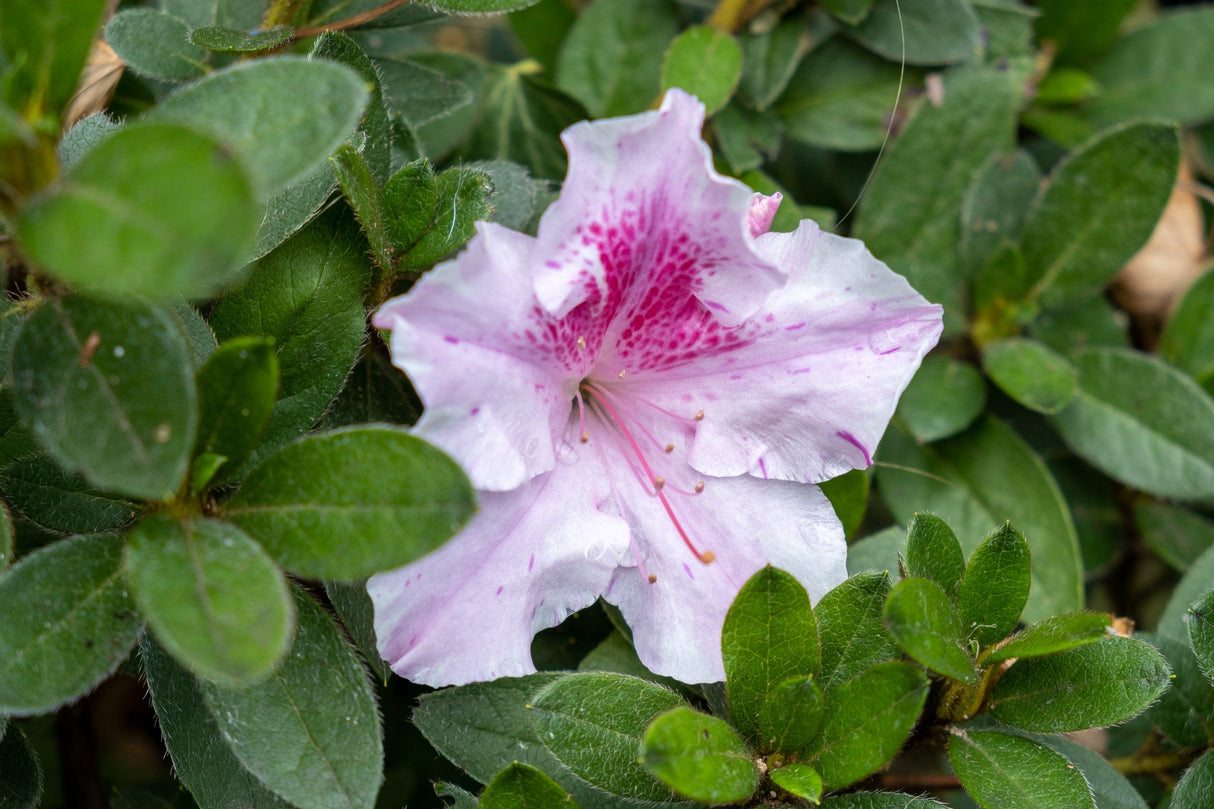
[644,395]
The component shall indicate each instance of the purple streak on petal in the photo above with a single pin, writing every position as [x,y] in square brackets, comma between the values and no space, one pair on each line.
[687,570]
[763,468]
[851,439]
[531,563]
[499,590]
[450,339]
[890,351]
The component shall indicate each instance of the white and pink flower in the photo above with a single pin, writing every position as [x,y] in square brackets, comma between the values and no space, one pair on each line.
[645,395]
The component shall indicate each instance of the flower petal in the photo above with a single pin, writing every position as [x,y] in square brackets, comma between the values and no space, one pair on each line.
[530,557]
[642,209]
[747,523]
[807,388]
[466,335]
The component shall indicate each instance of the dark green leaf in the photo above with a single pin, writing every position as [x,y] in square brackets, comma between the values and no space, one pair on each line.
[43,46]
[1185,712]
[159,209]
[278,139]
[354,607]
[994,205]
[409,198]
[849,11]
[307,296]
[853,633]
[1001,770]
[462,198]
[705,62]
[1090,686]
[201,757]
[1099,207]
[108,387]
[1194,583]
[967,485]
[840,97]
[791,715]
[1201,633]
[6,551]
[867,720]
[363,193]
[747,139]
[228,13]
[995,587]
[199,335]
[699,756]
[1178,536]
[44,494]
[332,505]
[1196,789]
[922,618]
[1110,789]
[376,390]
[542,28]
[155,44]
[613,54]
[1188,337]
[1031,373]
[68,623]
[420,93]
[1081,29]
[215,600]
[594,724]
[1007,28]
[769,57]
[236,391]
[231,40]
[800,780]
[82,137]
[521,786]
[479,6]
[942,399]
[1052,635]
[20,775]
[311,731]
[879,800]
[911,215]
[927,32]
[1140,422]
[769,635]
[848,495]
[933,552]
[515,196]
[879,552]
[460,797]
[1093,322]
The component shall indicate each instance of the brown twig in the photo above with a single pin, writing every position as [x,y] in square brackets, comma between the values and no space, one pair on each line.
[349,22]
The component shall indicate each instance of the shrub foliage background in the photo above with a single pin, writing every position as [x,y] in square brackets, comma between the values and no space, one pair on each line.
[194,414]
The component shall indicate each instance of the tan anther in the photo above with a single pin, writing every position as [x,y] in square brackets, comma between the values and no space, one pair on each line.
[658,483]
[623,371]
[581,343]
[653,579]
[699,487]
[699,416]
[669,448]
[585,437]
[708,557]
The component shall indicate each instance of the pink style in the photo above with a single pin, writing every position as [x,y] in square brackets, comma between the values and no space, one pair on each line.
[645,395]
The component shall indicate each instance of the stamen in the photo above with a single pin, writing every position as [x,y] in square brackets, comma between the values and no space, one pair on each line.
[653,579]
[699,487]
[699,416]
[704,556]
[669,448]
[581,343]
[623,372]
[615,495]
[659,483]
[581,418]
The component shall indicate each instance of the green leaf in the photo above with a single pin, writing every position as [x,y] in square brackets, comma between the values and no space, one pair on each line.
[1178,536]
[1081,29]
[307,296]
[1141,422]
[994,206]
[747,139]
[1071,329]
[410,197]
[848,495]
[1099,207]
[375,390]
[521,786]
[159,209]
[44,494]
[799,780]
[927,32]
[911,215]
[612,56]
[1188,337]
[1001,770]
[236,391]
[310,732]
[462,197]
[108,388]
[420,94]
[199,13]
[922,618]
[1192,586]
[1064,85]
[769,635]
[332,505]
[967,486]
[217,603]
[943,398]
[516,195]
[879,552]
[1196,787]
[1052,635]
[542,28]
[933,552]
[1110,789]
[278,139]
[705,62]
[1157,71]
[594,724]
[231,40]
[82,137]
[1007,28]
[699,756]
[1031,373]
[840,97]
[43,46]
[365,198]
[996,585]
[69,623]
[849,11]
[352,604]
[879,800]
[791,715]
[1185,712]
[202,759]
[1201,633]
[6,550]
[852,630]
[1096,685]
[20,775]
[479,6]
[769,57]
[155,44]
[867,720]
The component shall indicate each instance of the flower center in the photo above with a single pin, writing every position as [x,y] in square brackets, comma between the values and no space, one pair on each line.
[600,402]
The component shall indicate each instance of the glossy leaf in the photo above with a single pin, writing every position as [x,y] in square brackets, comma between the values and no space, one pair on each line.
[791,715]
[800,780]
[69,623]
[933,552]
[310,732]
[1052,635]
[236,391]
[108,388]
[699,756]
[922,618]
[1096,685]
[216,602]
[1001,770]
[706,63]
[155,44]
[995,587]
[848,495]
[521,786]
[769,635]
[1031,373]
[850,622]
